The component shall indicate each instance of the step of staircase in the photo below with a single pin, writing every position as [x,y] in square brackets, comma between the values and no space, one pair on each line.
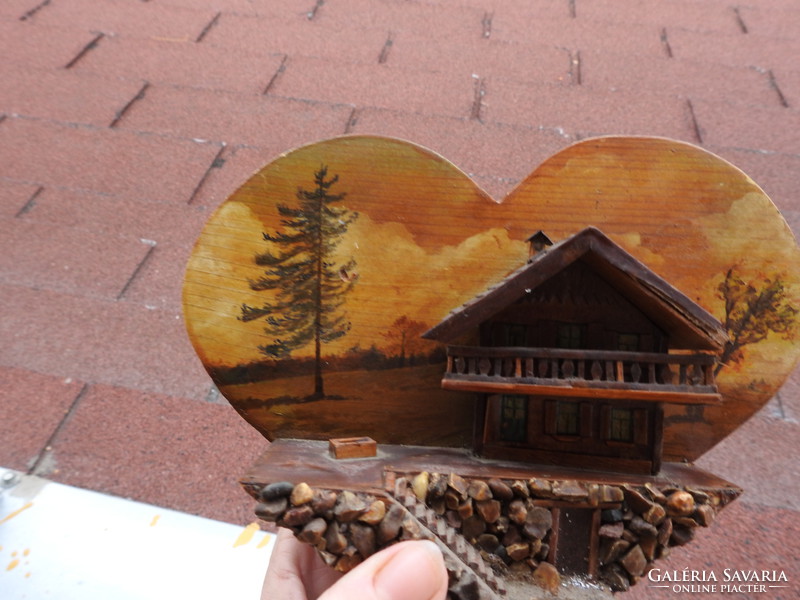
[448,537]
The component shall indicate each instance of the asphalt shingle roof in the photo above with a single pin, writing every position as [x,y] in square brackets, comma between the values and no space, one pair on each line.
[124,124]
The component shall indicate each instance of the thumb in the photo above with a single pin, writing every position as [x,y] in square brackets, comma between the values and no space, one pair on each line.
[411,570]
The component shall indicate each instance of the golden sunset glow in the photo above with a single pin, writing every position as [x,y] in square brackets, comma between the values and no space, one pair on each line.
[427,240]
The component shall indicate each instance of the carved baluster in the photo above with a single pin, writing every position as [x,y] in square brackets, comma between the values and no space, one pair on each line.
[696,375]
[484,365]
[620,371]
[582,369]
[508,367]
[461,365]
[597,370]
[554,368]
[666,375]
[568,369]
[529,367]
[498,367]
[709,371]
[543,368]
[517,367]
[651,373]
[636,372]
[471,366]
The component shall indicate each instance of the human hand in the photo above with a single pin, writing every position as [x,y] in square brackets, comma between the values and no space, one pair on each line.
[411,570]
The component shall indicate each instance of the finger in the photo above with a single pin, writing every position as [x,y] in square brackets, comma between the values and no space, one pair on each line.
[295,571]
[405,571]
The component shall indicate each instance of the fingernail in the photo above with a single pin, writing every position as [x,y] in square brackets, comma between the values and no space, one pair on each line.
[414,573]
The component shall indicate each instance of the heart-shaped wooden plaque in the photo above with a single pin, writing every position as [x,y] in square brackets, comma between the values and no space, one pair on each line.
[309,289]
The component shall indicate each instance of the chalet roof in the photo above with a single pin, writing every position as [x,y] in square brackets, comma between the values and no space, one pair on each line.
[688,324]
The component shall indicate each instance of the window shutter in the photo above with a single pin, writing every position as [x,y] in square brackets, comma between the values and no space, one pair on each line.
[640,429]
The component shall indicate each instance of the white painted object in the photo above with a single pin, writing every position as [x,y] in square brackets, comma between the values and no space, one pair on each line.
[64,543]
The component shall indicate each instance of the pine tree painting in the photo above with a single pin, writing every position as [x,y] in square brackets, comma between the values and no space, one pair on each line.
[309,289]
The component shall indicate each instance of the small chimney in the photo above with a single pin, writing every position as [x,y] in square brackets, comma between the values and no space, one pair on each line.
[538,243]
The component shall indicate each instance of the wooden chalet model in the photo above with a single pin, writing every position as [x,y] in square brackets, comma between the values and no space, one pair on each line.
[574,355]
[558,444]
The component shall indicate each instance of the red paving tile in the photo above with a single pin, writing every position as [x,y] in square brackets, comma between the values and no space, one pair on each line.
[233,118]
[66,261]
[378,85]
[774,461]
[275,8]
[583,111]
[179,62]
[117,17]
[15,9]
[16,197]
[63,95]
[443,21]
[578,34]
[40,47]
[773,21]
[483,57]
[295,35]
[103,160]
[707,81]
[33,407]
[733,126]
[750,50]
[114,342]
[787,80]
[114,443]
[107,215]
[524,9]
[701,16]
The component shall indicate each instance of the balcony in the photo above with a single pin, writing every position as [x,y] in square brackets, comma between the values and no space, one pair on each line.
[673,378]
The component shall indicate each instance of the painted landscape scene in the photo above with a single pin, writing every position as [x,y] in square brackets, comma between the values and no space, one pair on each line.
[309,289]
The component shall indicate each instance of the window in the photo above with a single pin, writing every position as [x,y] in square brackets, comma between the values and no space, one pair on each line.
[567,418]
[628,342]
[570,335]
[516,335]
[620,425]
[509,334]
[514,418]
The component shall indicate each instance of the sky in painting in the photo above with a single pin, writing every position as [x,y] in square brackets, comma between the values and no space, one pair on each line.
[427,240]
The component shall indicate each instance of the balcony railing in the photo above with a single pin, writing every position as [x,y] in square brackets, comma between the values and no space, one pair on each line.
[644,371]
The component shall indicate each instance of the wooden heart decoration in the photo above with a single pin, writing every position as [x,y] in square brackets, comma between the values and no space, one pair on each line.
[309,288]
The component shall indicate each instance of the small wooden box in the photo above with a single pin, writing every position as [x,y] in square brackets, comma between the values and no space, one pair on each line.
[353,447]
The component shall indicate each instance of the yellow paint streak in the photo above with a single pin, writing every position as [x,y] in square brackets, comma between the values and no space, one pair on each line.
[26,552]
[16,512]
[27,575]
[264,542]
[155,520]
[12,565]
[246,535]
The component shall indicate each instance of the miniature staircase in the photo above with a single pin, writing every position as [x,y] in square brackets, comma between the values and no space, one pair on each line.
[465,561]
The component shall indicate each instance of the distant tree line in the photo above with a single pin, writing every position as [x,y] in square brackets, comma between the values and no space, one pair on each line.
[356,359]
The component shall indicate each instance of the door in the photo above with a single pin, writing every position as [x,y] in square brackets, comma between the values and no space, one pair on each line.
[575,548]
